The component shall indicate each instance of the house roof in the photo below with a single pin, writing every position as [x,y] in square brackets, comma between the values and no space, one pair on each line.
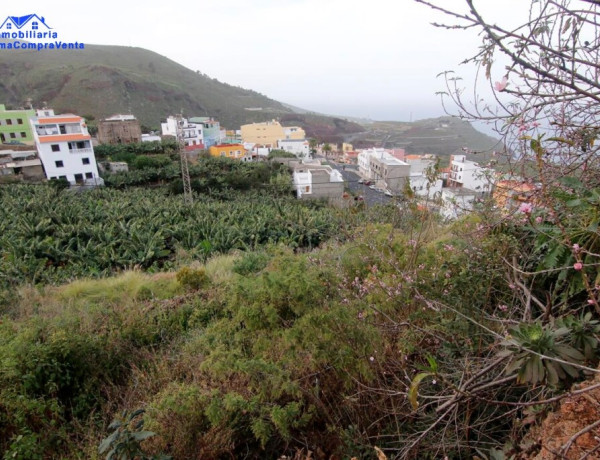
[20,21]
[64,138]
[60,119]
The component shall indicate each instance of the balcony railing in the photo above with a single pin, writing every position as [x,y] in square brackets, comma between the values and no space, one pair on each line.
[86,150]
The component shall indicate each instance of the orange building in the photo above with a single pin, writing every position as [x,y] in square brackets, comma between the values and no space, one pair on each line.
[509,194]
[227,150]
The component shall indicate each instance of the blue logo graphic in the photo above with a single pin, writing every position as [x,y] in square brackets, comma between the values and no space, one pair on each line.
[35,30]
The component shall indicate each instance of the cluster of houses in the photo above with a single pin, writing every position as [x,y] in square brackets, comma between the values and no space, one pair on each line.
[38,144]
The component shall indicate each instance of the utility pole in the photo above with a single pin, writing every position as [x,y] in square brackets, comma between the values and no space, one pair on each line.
[185,171]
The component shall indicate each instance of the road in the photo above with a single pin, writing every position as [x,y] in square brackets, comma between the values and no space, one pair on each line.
[351,177]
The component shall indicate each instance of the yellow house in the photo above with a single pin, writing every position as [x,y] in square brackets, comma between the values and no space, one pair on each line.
[267,133]
[227,150]
[294,132]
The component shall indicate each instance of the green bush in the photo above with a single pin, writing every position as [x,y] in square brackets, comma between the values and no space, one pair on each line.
[192,279]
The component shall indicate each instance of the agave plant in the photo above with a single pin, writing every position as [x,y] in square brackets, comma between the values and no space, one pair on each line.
[533,351]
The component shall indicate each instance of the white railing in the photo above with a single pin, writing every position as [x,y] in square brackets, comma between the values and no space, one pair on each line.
[87,150]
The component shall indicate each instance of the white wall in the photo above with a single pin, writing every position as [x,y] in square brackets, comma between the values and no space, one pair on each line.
[300,149]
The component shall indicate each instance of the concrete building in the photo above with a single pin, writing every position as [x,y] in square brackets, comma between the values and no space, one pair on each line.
[511,193]
[468,174]
[298,147]
[15,127]
[266,134]
[192,132]
[151,138]
[235,151]
[312,181]
[390,173]
[211,130]
[23,163]
[421,181]
[294,132]
[65,147]
[457,201]
[119,129]
[379,165]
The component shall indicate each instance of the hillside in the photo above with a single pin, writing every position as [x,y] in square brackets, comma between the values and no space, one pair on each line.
[441,136]
[103,80]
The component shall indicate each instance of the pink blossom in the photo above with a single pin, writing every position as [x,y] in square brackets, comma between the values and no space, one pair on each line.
[526,208]
[501,85]
[503,307]
[372,358]
[578,266]
[591,301]
[539,219]
[576,247]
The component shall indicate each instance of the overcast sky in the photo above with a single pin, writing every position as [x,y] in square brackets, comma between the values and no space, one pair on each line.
[373,58]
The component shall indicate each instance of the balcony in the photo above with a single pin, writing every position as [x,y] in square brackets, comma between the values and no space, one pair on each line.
[84,150]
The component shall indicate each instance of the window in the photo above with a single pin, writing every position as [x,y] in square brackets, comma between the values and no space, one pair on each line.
[13,136]
[85,161]
[34,25]
[19,121]
[89,175]
[62,177]
[9,121]
[59,164]
[62,129]
[55,147]
[9,26]
[78,178]
[307,189]
[23,134]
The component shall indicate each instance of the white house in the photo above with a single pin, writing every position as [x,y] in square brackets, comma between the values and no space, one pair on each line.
[150,138]
[317,181]
[364,160]
[419,182]
[193,133]
[298,147]
[468,174]
[422,186]
[457,201]
[65,147]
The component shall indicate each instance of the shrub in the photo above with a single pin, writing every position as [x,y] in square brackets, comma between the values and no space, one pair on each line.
[192,279]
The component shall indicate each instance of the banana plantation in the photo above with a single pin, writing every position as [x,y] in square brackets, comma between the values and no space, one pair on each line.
[49,236]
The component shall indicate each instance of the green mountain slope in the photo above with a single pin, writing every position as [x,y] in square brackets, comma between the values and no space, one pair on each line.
[103,80]
[441,136]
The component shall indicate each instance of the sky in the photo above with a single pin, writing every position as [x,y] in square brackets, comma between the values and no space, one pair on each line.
[376,59]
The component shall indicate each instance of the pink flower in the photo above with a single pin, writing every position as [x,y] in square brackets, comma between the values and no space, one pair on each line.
[539,219]
[577,266]
[526,208]
[591,301]
[501,85]
[576,247]
[503,307]
[371,359]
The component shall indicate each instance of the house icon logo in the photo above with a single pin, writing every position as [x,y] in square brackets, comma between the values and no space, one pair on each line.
[30,22]
[32,32]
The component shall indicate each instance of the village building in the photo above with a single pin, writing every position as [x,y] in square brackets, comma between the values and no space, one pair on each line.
[15,127]
[119,129]
[65,148]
